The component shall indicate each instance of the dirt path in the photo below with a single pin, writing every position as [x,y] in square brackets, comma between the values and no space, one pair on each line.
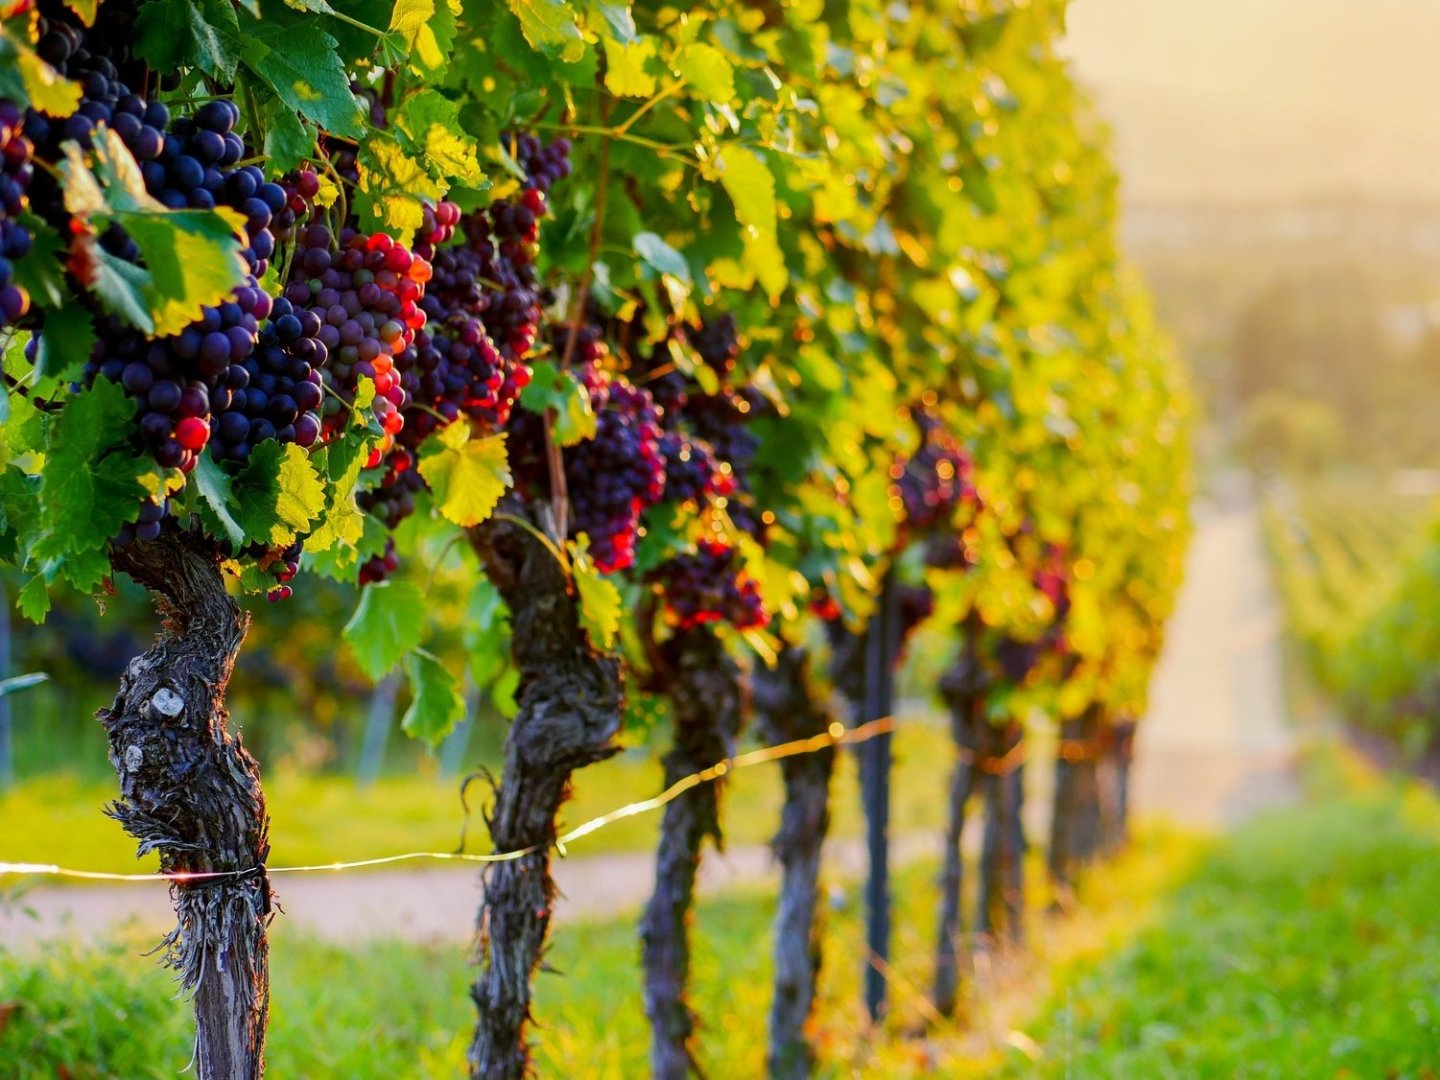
[1216,745]
[1214,749]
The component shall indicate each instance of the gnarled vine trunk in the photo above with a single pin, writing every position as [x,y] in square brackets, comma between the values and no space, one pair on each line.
[1003,845]
[786,710]
[191,792]
[570,700]
[704,685]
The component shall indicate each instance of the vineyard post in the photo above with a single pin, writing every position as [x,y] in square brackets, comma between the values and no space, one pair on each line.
[962,694]
[881,641]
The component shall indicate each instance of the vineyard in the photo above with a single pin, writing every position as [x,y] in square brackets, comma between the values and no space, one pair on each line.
[695,379]
[1357,575]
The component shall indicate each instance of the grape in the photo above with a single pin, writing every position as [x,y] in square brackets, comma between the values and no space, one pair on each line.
[692,475]
[16,172]
[937,478]
[718,344]
[379,567]
[709,586]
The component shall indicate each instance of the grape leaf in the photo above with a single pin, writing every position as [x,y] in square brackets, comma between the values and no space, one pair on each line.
[707,71]
[600,604]
[661,257]
[550,27]
[34,599]
[214,486]
[91,477]
[388,623]
[467,476]
[300,64]
[277,496]
[428,30]
[343,521]
[617,17]
[40,271]
[394,186]
[747,180]
[551,388]
[436,704]
[25,77]
[431,121]
[289,140]
[65,342]
[625,68]
[172,34]
[85,9]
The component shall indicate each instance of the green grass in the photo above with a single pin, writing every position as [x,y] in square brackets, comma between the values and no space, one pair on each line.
[1304,946]
[57,819]
[400,1011]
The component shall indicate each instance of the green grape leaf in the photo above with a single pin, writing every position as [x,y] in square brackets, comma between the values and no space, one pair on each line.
[661,257]
[25,77]
[172,34]
[214,486]
[277,496]
[747,180]
[41,272]
[300,64]
[34,599]
[550,27]
[436,704]
[387,624]
[551,388]
[427,28]
[466,475]
[394,185]
[432,123]
[599,599]
[65,342]
[344,522]
[91,478]
[707,71]
[617,16]
[289,140]
[85,9]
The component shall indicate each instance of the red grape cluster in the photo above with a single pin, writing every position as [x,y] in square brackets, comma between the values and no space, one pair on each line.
[692,475]
[708,585]
[366,292]
[16,172]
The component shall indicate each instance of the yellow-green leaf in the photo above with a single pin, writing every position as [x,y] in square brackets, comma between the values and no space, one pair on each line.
[707,71]
[467,476]
[625,74]
[600,603]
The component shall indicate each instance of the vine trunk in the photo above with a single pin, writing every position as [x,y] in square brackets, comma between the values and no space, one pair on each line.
[786,710]
[705,688]
[191,792]
[570,699]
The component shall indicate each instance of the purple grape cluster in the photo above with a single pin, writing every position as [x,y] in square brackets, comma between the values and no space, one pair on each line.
[718,343]
[393,499]
[544,166]
[16,171]
[937,478]
[691,474]
[615,477]
[277,391]
[708,585]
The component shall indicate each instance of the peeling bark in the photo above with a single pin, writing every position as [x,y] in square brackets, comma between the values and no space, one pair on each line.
[786,710]
[191,792]
[570,700]
[705,688]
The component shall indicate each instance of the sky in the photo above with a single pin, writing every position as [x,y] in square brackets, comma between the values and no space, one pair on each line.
[1260,101]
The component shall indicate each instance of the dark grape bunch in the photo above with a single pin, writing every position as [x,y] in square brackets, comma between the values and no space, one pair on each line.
[916,603]
[393,499]
[615,477]
[708,585]
[16,171]
[379,567]
[937,478]
[718,343]
[693,477]
[544,166]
